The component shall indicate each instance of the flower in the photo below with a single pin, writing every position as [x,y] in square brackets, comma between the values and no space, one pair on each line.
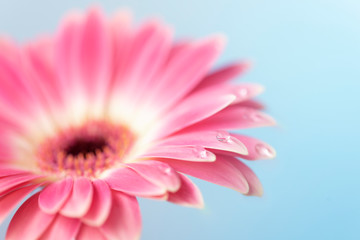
[102,113]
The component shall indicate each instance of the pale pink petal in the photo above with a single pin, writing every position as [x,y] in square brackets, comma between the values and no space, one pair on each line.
[251,104]
[148,53]
[93,56]
[257,149]
[223,75]
[87,233]
[80,199]
[188,194]
[255,187]
[127,180]
[13,93]
[192,110]
[101,204]
[234,117]
[29,222]
[220,172]
[158,173]
[215,140]
[62,228]
[179,77]
[8,183]
[9,49]
[65,48]
[11,200]
[122,35]
[124,221]
[39,58]
[186,153]
[53,197]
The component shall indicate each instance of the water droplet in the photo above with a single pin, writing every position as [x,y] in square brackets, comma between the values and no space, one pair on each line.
[264,151]
[223,136]
[201,152]
[253,116]
[243,93]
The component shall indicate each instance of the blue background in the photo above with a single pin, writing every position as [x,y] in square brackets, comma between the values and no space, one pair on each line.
[307,54]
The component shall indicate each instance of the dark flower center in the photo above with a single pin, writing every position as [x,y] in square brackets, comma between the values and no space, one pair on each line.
[85,146]
[86,150]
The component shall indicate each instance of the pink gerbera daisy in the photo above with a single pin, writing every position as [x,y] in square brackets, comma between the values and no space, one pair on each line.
[103,113]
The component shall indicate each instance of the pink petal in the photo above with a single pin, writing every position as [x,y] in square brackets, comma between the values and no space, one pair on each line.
[179,77]
[93,57]
[220,172]
[217,140]
[234,117]
[65,49]
[53,197]
[80,199]
[223,75]
[186,153]
[29,221]
[127,180]
[8,183]
[121,33]
[257,149]
[188,194]
[148,53]
[194,109]
[14,94]
[251,104]
[9,171]
[11,200]
[255,187]
[87,232]
[124,222]
[39,56]
[62,228]
[101,204]
[158,173]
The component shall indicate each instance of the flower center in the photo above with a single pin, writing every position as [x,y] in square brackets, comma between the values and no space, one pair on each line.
[86,150]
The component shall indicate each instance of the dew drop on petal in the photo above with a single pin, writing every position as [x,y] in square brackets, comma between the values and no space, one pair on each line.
[264,150]
[223,136]
[242,93]
[253,116]
[201,152]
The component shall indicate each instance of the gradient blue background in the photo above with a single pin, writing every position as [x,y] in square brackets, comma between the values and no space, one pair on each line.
[307,54]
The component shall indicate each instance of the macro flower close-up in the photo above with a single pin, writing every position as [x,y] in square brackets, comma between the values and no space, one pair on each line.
[104,112]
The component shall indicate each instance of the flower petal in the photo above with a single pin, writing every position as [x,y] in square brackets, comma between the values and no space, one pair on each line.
[80,199]
[124,221]
[11,200]
[234,117]
[53,197]
[193,110]
[158,173]
[87,232]
[127,180]
[62,228]
[223,75]
[186,153]
[255,187]
[188,194]
[29,222]
[8,183]
[257,149]
[101,204]
[4,171]
[169,86]
[220,172]
[217,140]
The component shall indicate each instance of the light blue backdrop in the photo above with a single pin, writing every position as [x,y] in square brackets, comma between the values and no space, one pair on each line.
[307,54]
